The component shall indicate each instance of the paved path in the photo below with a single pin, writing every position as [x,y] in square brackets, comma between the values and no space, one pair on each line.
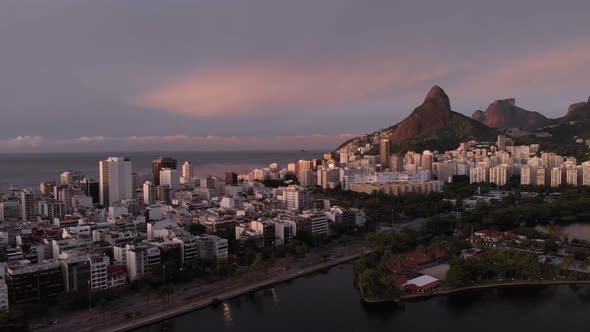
[198,295]
[203,302]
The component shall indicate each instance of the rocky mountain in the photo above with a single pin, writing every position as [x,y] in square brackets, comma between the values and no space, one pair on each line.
[578,112]
[435,126]
[432,125]
[435,111]
[504,113]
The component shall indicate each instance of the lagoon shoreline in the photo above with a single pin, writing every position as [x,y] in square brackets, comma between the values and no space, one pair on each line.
[410,297]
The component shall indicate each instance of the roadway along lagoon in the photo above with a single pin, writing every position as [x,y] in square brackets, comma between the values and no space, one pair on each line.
[328,302]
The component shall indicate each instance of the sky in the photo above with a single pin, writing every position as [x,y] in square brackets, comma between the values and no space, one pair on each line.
[122,75]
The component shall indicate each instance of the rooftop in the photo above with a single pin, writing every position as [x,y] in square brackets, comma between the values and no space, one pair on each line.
[421,281]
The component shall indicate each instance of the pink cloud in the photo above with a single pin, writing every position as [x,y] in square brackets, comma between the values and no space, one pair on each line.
[276,87]
[553,71]
[24,142]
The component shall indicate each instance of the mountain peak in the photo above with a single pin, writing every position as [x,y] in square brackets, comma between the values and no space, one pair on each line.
[578,111]
[511,101]
[434,112]
[438,96]
[503,113]
[433,125]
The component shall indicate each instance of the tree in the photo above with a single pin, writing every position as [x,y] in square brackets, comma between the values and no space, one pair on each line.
[344,240]
[259,264]
[167,291]
[566,264]
[550,246]
[458,275]
[301,249]
[226,268]
[370,282]
[148,291]
[102,306]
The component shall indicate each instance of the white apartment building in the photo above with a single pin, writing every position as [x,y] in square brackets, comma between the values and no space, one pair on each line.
[149,193]
[526,175]
[187,172]
[574,176]
[556,177]
[115,180]
[27,206]
[98,272]
[319,223]
[499,175]
[384,177]
[141,259]
[479,174]
[170,177]
[296,198]
[9,210]
[586,173]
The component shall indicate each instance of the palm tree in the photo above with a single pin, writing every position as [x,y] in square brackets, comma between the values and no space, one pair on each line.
[567,263]
[102,306]
[148,292]
[167,291]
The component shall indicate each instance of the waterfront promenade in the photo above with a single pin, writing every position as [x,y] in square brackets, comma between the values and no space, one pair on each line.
[194,298]
[203,302]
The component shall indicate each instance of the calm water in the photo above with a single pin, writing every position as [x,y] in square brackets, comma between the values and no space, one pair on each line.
[27,170]
[328,302]
[572,231]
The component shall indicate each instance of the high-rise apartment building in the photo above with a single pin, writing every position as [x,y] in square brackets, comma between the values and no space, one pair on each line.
[586,173]
[46,187]
[163,193]
[499,175]
[10,211]
[170,177]
[149,193]
[297,198]
[27,205]
[542,175]
[526,175]
[479,174]
[91,188]
[115,181]
[231,178]
[69,177]
[501,143]
[396,163]
[159,164]
[556,177]
[303,165]
[384,152]
[574,176]
[187,172]
[425,162]
[307,178]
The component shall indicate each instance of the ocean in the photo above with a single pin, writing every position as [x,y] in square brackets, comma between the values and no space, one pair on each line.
[29,169]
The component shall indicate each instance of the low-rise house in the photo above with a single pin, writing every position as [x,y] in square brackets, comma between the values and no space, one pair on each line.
[421,284]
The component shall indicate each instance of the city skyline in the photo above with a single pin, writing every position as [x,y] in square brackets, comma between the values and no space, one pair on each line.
[213,75]
[232,165]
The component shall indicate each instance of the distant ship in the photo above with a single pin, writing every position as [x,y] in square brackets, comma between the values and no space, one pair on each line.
[302,150]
